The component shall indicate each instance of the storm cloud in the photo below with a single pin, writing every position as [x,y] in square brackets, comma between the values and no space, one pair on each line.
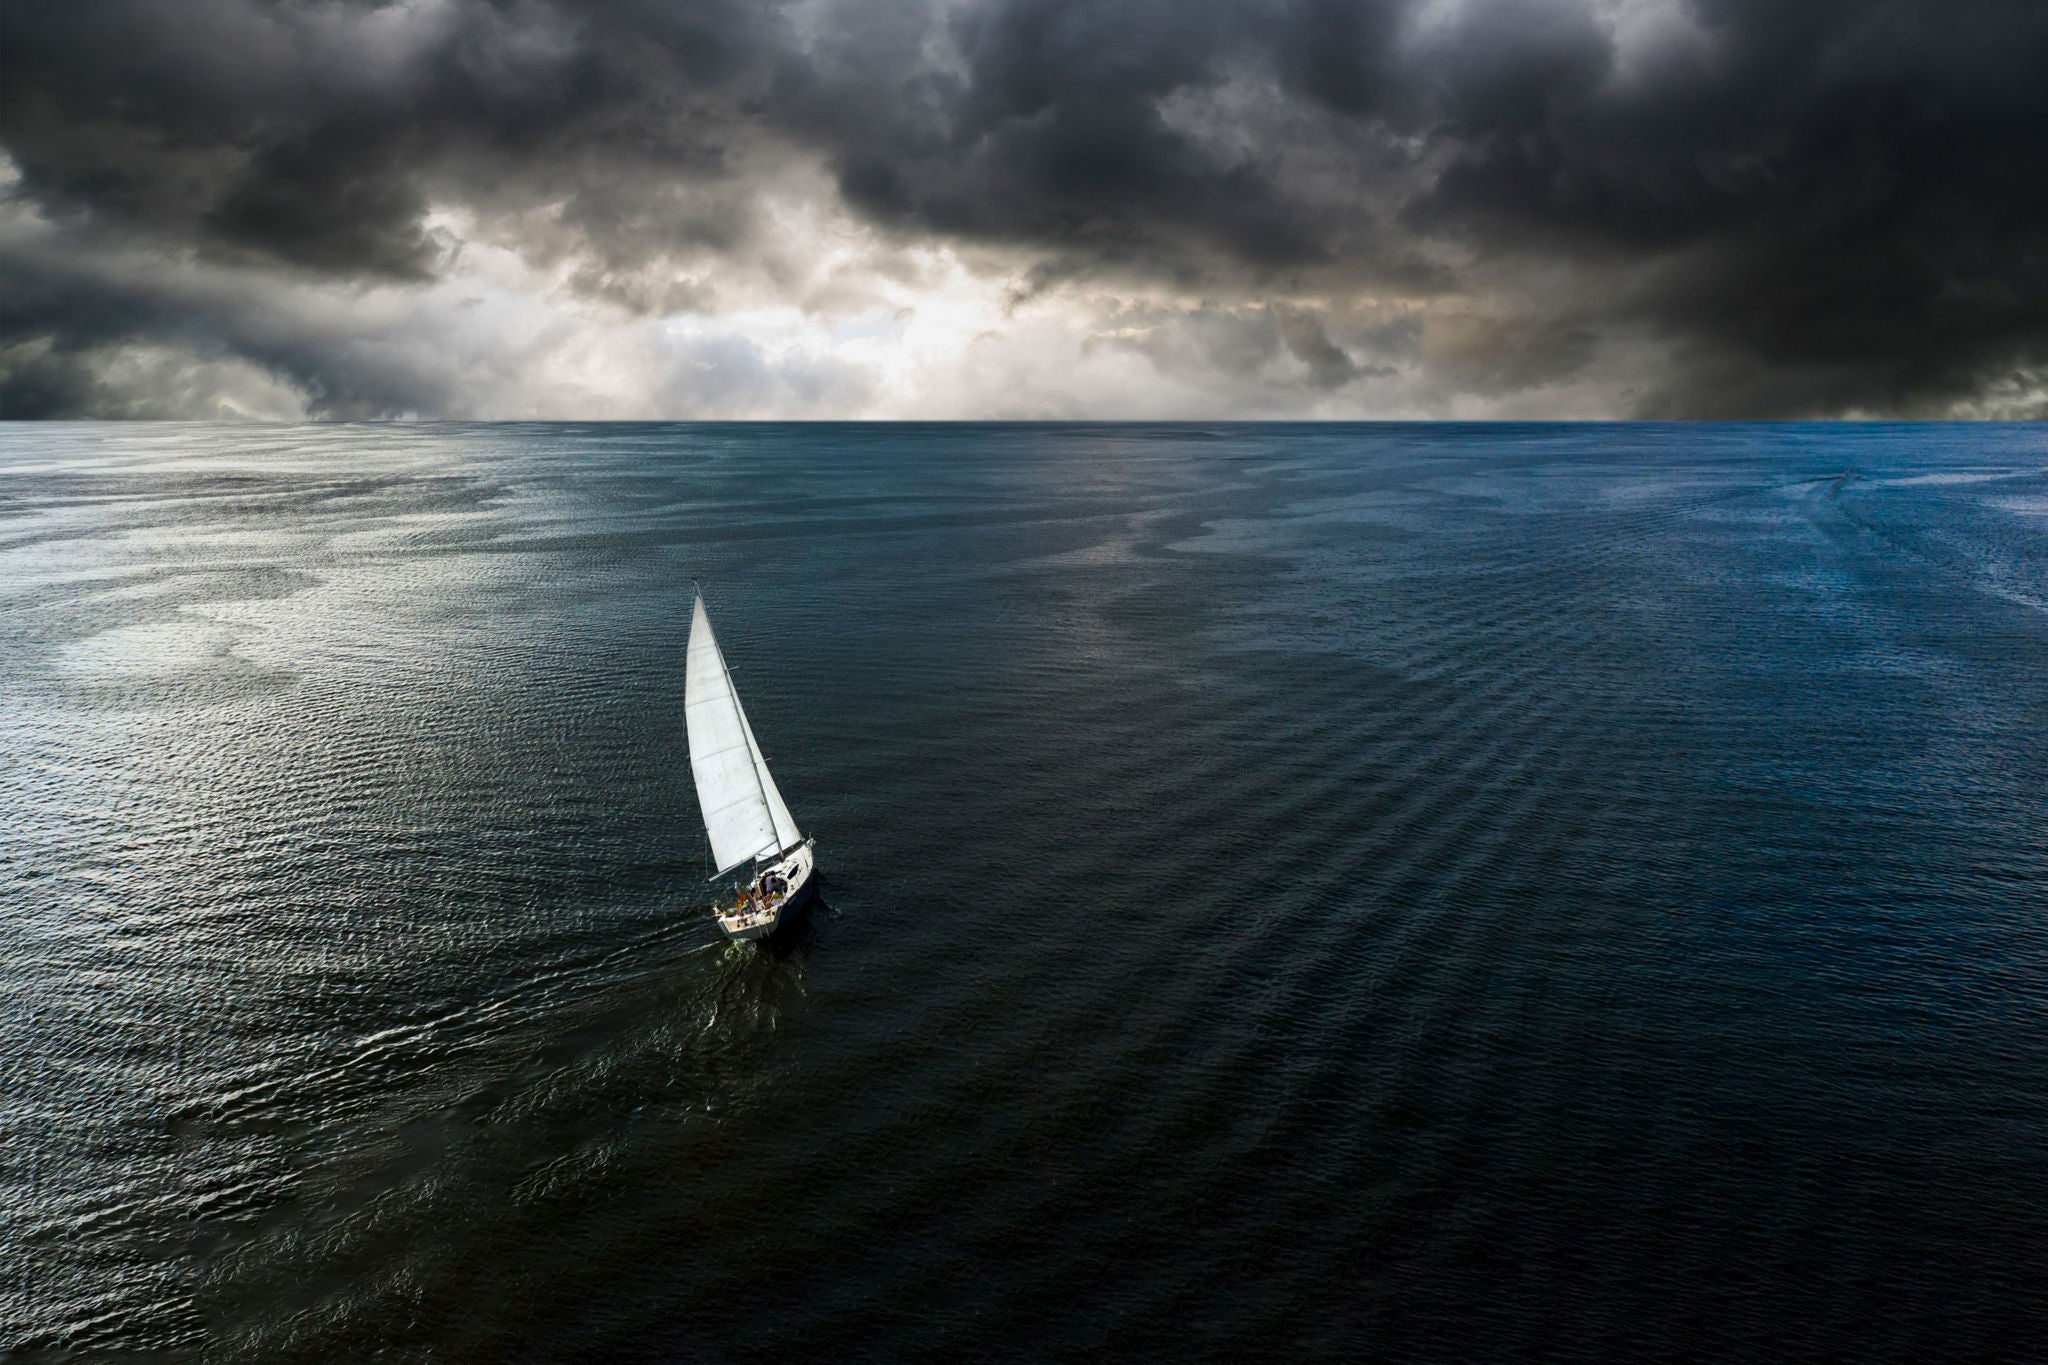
[1328,208]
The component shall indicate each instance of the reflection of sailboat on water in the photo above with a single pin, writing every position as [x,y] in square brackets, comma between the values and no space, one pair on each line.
[744,814]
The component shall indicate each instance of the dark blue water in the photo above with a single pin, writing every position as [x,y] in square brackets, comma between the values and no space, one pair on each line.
[1453,893]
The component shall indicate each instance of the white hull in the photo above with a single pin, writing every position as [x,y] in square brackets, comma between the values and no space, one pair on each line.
[799,869]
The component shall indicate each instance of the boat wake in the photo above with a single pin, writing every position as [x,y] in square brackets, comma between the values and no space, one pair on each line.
[497,1121]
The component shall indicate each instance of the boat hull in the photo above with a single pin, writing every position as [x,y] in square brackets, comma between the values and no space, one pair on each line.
[800,869]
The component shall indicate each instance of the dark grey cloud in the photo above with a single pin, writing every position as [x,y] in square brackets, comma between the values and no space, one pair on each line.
[307,133]
[67,299]
[1843,205]
[1771,207]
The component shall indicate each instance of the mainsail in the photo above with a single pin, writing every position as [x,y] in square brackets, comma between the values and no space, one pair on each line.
[743,813]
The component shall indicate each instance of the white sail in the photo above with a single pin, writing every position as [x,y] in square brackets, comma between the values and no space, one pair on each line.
[743,813]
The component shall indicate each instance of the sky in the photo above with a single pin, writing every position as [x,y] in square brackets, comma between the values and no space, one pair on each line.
[1200,209]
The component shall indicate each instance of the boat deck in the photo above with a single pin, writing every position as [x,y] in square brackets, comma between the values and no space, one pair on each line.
[757,914]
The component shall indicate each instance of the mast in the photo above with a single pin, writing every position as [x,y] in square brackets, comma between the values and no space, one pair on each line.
[753,749]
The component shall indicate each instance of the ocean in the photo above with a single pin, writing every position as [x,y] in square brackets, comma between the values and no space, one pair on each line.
[1432,892]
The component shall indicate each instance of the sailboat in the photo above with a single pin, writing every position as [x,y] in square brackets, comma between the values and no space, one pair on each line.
[744,814]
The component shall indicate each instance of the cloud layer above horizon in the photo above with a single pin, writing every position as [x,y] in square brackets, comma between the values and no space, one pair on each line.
[1024,208]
